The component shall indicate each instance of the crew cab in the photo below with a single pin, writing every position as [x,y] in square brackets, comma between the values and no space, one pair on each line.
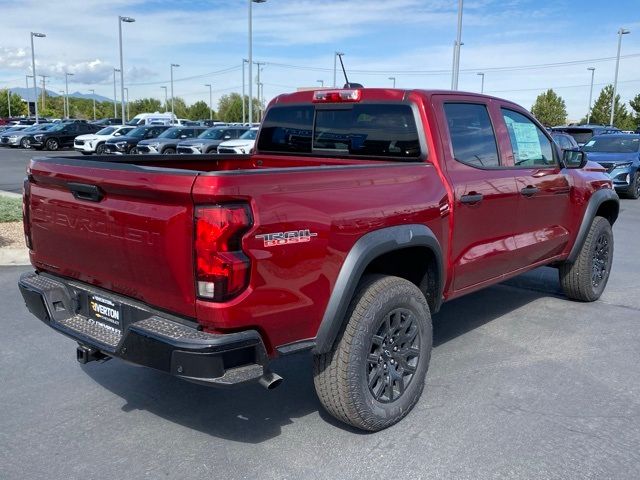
[360,212]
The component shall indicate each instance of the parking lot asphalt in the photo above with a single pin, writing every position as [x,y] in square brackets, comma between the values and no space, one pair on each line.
[13,163]
[523,384]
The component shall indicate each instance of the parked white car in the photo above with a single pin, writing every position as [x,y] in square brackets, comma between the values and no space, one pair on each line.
[156,118]
[94,142]
[243,144]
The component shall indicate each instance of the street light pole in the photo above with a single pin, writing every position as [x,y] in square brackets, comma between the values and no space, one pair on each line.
[126,91]
[93,92]
[621,32]
[456,50]
[592,70]
[210,101]
[250,61]
[44,88]
[66,90]
[482,82]
[9,100]
[122,20]
[115,99]
[244,100]
[64,104]
[335,66]
[26,84]
[394,81]
[321,82]
[173,65]
[166,101]
[258,85]
[33,67]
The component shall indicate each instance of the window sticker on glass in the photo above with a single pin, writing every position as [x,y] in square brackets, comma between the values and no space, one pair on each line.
[526,137]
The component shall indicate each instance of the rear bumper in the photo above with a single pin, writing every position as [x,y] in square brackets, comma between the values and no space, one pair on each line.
[148,338]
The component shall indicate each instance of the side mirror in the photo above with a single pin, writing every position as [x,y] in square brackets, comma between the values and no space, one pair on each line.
[117,134]
[183,136]
[574,158]
[227,137]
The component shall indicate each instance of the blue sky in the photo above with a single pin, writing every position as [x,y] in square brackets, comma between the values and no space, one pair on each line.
[409,39]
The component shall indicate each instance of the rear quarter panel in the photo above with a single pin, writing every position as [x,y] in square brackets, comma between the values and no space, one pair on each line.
[291,284]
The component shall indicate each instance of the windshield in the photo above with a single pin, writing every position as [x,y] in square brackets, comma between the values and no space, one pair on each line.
[174,132]
[610,144]
[212,134]
[249,134]
[33,128]
[106,131]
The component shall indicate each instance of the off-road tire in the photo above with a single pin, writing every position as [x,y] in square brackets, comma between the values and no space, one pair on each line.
[342,376]
[581,280]
[52,144]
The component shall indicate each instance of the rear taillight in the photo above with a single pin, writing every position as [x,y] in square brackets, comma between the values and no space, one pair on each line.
[336,96]
[26,222]
[222,269]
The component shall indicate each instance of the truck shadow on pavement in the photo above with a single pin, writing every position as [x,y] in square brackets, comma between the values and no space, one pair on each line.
[251,414]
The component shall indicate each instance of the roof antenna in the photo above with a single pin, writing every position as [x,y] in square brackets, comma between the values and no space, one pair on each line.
[346,79]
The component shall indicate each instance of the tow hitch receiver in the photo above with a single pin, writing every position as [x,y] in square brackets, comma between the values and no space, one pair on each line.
[88,354]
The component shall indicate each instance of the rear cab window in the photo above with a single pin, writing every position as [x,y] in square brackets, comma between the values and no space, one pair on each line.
[365,130]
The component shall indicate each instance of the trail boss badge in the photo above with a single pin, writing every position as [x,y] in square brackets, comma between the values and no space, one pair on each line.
[286,238]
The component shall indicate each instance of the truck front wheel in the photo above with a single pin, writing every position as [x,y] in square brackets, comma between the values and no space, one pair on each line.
[374,375]
[585,279]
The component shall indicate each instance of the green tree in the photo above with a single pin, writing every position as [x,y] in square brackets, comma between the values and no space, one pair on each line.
[18,107]
[550,109]
[199,111]
[145,105]
[230,108]
[601,111]
[635,106]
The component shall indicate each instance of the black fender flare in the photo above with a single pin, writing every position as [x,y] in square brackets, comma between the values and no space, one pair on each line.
[364,251]
[596,200]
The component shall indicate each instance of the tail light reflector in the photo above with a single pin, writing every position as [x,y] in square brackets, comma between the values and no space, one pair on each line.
[222,268]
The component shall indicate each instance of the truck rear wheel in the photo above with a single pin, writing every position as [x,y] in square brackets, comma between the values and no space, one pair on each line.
[374,375]
[586,278]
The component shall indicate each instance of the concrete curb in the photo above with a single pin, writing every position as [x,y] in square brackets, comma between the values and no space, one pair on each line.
[4,193]
[13,256]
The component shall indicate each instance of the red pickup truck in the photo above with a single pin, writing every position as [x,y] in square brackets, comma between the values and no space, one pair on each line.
[358,214]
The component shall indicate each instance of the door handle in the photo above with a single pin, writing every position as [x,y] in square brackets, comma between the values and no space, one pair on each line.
[529,191]
[471,198]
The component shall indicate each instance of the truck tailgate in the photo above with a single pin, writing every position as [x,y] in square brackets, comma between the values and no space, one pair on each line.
[128,230]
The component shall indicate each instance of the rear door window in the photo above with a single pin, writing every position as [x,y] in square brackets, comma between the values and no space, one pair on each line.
[359,130]
[472,136]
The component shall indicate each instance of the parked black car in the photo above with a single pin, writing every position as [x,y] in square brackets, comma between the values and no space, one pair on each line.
[583,133]
[61,135]
[128,143]
[167,142]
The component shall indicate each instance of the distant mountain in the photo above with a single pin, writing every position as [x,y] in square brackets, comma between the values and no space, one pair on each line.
[27,94]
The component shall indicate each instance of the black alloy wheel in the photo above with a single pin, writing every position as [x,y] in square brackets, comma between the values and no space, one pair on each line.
[393,356]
